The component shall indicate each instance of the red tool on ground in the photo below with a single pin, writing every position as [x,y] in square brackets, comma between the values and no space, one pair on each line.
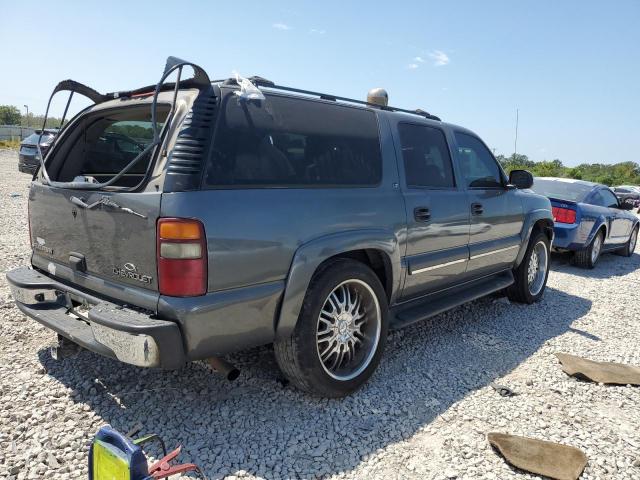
[163,468]
[113,455]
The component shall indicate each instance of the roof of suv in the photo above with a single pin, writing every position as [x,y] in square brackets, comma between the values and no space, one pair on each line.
[261,82]
[404,114]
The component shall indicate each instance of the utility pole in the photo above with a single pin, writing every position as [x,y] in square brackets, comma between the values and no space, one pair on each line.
[27,107]
[515,144]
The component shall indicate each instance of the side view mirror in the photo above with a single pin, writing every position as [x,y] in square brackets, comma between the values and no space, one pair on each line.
[520,179]
[626,205]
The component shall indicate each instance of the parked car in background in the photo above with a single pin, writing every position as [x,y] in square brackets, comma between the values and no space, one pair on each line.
[589,219]
[628,193]
[634,188]
[310,221]
[28,157]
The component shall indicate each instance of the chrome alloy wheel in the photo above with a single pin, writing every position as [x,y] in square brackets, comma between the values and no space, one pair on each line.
[348,330]
[595,250]
[537,268]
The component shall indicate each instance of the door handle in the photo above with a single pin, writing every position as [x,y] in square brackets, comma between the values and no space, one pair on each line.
[421,214]
[477,209]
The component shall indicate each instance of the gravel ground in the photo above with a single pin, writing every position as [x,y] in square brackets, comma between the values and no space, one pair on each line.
[424,415]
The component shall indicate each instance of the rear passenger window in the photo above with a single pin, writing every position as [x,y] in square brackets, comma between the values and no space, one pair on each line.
[604,198]
[478,166]
[287,142]
[427,162]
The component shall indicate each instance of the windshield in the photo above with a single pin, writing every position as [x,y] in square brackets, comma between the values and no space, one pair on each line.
[33,139]
[561,189]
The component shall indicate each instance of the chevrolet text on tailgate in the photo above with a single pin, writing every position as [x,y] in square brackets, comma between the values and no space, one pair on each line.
[188,220]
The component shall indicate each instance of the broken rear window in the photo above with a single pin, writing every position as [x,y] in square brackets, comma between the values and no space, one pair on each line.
[105,142]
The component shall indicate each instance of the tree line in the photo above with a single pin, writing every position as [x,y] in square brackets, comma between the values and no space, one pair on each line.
[11,115]
[623,173]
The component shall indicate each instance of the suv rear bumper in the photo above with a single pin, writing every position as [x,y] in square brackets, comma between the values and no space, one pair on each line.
[103,327]
[27,163]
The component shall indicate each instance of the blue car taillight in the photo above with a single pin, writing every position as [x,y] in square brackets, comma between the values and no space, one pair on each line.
[563,215]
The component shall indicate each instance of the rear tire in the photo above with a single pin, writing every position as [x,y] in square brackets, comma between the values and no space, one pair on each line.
[532,273]
[630,246]
[588,256]
[341,331]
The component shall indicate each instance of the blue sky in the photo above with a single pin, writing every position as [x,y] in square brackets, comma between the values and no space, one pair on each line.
[572,68]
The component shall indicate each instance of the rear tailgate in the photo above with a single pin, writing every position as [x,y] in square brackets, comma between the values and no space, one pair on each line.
[95,203]
[116,245]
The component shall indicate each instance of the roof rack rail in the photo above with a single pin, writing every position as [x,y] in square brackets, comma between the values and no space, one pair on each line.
[263,82]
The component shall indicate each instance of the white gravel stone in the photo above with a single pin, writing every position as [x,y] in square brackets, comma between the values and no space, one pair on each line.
[424,415]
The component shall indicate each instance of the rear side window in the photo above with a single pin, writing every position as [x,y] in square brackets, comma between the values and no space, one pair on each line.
[287,142]
[478,166]
[427,162]
[604,198]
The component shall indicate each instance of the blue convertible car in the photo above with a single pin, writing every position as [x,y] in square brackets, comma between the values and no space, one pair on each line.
[589,219]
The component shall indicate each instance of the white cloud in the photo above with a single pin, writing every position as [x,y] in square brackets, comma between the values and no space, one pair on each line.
[412,66]
[439,58]
[317,31]
[419,59]
[281,26]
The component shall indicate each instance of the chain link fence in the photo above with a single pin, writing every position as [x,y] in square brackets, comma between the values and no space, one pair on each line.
[15,132]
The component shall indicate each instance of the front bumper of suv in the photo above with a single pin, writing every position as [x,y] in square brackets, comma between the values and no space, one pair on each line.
[96,324]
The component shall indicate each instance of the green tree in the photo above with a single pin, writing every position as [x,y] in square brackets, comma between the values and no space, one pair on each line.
[35,121]
[9,115]
[574,173]
[623,173]
[553,168]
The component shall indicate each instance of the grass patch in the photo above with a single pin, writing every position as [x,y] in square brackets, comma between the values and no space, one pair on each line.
[11,144]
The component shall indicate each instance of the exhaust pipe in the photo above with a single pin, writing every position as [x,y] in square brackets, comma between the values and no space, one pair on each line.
[224,368]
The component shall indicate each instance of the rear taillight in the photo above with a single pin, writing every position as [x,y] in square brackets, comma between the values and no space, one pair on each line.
[182,257]
[563,215]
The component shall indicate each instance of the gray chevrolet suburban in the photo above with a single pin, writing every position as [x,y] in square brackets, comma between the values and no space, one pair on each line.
[191,219]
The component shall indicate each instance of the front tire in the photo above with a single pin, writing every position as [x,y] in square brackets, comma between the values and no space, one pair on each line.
[532,273]
[588,257]
[341,331]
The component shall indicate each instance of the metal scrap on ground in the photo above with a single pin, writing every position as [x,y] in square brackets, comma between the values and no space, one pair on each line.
[553,460]
[503,390]
[601,372]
